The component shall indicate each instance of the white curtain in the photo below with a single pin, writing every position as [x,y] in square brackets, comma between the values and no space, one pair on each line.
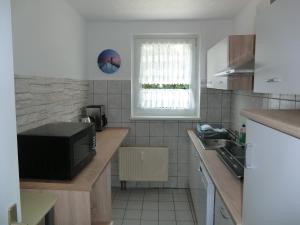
[166,99]
[166,62]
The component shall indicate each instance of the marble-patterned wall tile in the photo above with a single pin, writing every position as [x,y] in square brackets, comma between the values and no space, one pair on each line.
[41,100]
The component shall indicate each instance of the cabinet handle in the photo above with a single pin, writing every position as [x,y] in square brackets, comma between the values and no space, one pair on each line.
[273,80]
[200,169]
[223,214]
[249,156]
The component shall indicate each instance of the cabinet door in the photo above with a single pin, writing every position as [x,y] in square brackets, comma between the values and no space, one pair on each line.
[192,170]
[278,48]
[271,179]
[241,49]
[217,60]
[194,180]
[222,216]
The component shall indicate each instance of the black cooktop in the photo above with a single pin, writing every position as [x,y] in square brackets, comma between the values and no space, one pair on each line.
[234,158]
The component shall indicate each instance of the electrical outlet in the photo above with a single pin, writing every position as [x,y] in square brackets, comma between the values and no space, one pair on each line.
[12,214]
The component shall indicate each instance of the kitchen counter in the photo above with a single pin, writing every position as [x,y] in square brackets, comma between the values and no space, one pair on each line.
[35,206]
[108,142]
[286,121]
[228,186]
[86,199]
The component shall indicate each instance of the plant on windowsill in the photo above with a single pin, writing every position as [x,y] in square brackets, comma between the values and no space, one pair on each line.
[166,86]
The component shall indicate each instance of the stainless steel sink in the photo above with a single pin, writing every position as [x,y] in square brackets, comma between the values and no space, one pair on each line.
[212,144]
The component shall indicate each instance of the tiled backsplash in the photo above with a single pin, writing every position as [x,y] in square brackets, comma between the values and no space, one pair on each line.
[41,100]
[249,100]
[215,108]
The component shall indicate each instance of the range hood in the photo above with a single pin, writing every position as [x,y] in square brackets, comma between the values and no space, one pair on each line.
[245,69]
[230,63]
[231,71]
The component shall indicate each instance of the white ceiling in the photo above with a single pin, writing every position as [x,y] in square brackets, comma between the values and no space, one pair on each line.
[157,9]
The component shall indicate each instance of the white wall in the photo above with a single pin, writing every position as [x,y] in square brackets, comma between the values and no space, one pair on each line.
[244,21]
[48,39]
[118,36]
[9,175]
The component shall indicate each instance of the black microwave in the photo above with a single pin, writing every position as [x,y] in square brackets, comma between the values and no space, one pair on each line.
[56,151]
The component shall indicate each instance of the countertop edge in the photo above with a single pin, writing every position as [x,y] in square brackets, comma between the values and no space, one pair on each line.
[84,184]
[28,198]
[274,119]
[110,157]
[236,213]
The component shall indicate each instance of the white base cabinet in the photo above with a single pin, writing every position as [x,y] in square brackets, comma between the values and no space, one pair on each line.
[222,216]
[202,190]
[272,177]
[194,179]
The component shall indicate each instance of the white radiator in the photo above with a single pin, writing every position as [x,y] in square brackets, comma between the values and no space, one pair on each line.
[143,164]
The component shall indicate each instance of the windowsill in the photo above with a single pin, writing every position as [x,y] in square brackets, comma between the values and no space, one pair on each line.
[189,118]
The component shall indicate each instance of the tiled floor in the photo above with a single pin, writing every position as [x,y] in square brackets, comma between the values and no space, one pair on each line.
[151,207]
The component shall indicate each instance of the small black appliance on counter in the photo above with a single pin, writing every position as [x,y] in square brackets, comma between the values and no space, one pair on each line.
[56,151]
[97,115]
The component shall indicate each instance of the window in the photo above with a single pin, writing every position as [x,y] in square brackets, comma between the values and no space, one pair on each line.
[165,83]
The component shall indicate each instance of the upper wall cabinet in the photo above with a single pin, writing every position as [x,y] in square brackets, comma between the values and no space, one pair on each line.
[230,63]
[278,48]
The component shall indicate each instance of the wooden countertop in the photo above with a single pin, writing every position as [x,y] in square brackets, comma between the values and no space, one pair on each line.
[35,206]
[286,121]
[108,142]
[228,186]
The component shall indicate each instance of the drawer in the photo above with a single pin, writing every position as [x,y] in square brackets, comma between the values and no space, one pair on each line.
[222,216]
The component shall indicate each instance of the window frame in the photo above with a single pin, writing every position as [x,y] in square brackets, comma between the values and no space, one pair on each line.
[157,114]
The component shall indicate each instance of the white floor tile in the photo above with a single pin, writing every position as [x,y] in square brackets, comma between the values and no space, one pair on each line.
[165,191]
[184,216]
[150,206]
[135,205]
[118,204]
[118,213]
[152,191]
[149,215]
[165,194]
[118,222]
[179,191]
[153,198]
[131,222]
[167,222]
[136,197]
[166,206]
[122,196]
[145,206]
[185,223]
[137,191]
[132,215]
[182,206]
[123,193]
[181,198]
[166,216]
[149,222]
[166,198]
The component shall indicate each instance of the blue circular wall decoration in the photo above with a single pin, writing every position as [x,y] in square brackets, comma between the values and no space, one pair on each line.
[109,61]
